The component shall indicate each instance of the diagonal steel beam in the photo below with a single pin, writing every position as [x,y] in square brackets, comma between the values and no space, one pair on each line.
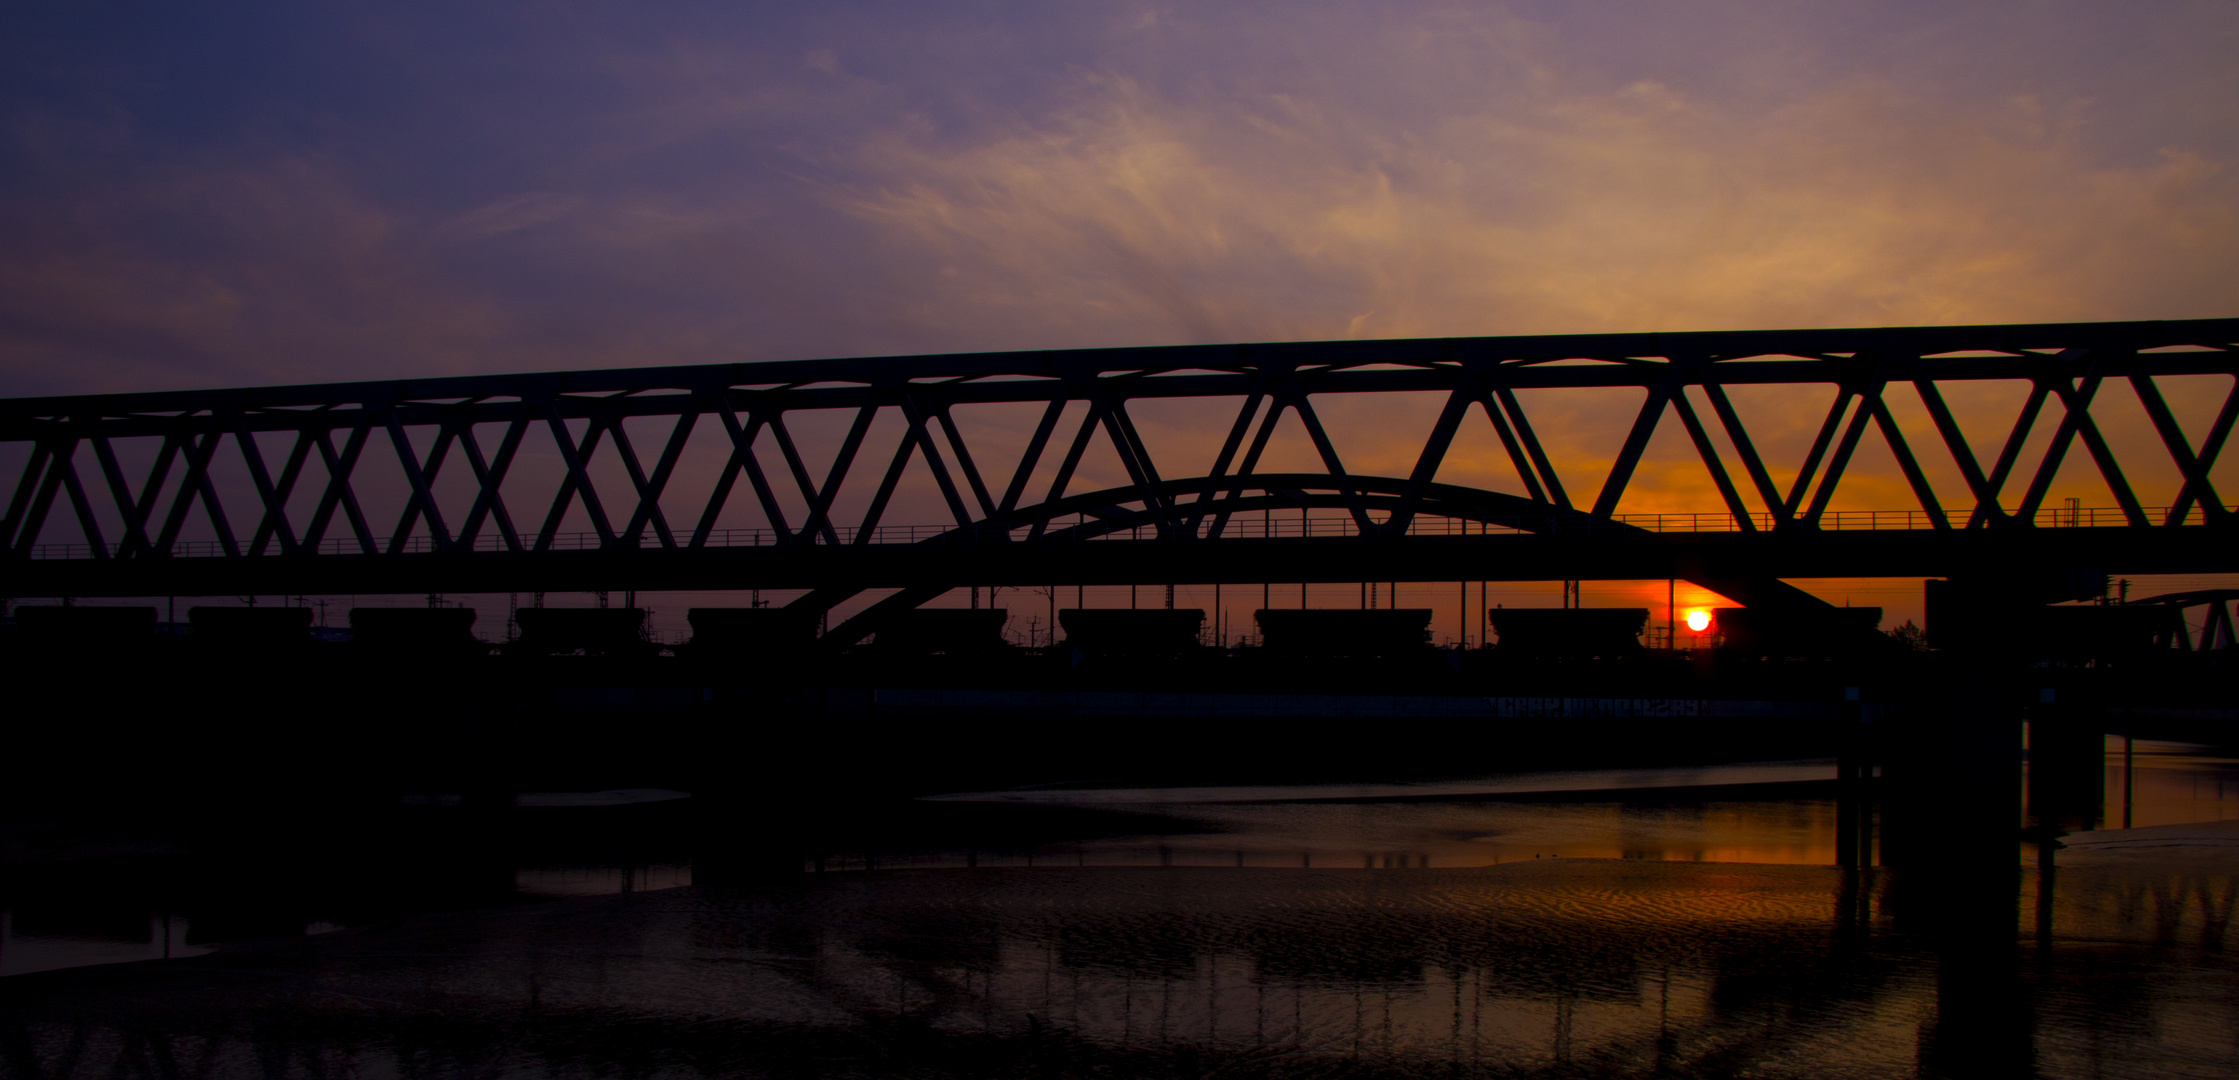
[1987,510]
[578,480]
[726,478]
[197,485]
[26,491]
[1810,468]
[868,621]
[2010,455]
[940,411]
[1328,452]
[821,499]
[1072,459]
[422,482]
[1135,457]
[2056,452]
[887,484]
[1751,462]
[275,519]
[26,526]
[2196,485]
[291,471]
[822,599]
[151,492]
[1227,455]
[914,414]
[1276,403]
[1906,463]
[1518,457]
[2110,469]
[212,507]
[650,487]
[1839,463]
[797,467]
[1524,434]
[135,539]
[1636,443]
[742,460]
[1260,438]
[2210,448]
[1033,455]
[489,479]
[2075,400]
[338,491]
[1708,451]
[81,506]
[1433,454]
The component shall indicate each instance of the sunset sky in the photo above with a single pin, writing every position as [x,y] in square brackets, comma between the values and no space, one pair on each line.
[203,195]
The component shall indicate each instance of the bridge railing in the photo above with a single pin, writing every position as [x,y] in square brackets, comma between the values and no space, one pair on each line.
[1240,527]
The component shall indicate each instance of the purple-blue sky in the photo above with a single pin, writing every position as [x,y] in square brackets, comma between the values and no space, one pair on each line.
[194,195]
[202,195]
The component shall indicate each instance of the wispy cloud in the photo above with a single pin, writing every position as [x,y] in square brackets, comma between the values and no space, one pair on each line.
[418,196]
[512,213]
[1267,217]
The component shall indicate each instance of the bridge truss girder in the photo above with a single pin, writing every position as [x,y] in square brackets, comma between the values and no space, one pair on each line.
[264,540]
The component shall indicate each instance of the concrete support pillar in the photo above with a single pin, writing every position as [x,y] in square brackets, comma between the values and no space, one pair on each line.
[1951,786]
[757,814]
[1952,813]
[2067,765]
[753,830]
[1857,755]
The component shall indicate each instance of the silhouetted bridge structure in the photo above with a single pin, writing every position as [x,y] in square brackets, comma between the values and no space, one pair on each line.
[418,485]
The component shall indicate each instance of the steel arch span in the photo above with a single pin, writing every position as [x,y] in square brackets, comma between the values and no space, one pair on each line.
[793,474]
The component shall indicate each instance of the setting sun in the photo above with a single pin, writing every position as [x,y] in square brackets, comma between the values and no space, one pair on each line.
[1698,620]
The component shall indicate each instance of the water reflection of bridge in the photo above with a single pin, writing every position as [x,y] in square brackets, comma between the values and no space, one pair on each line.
[1608,968]
[413,485]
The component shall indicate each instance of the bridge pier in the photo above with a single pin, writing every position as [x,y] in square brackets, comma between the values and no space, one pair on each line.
[1952,808]
[752,830]
[1856,764]
[2067,765]
[757,812]
[1952,776]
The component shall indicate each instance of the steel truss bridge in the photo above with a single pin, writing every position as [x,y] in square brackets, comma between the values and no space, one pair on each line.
[180,493]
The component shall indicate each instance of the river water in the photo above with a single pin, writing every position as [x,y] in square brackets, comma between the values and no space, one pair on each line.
[1647,922]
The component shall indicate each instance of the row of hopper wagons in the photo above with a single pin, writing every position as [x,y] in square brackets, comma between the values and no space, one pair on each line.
[777,631]
[1612,634]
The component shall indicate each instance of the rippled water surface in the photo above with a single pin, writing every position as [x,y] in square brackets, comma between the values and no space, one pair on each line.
[1559,967]
[1665,922]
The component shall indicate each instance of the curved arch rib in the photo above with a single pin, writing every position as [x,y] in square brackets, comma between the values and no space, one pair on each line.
[1106,512]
